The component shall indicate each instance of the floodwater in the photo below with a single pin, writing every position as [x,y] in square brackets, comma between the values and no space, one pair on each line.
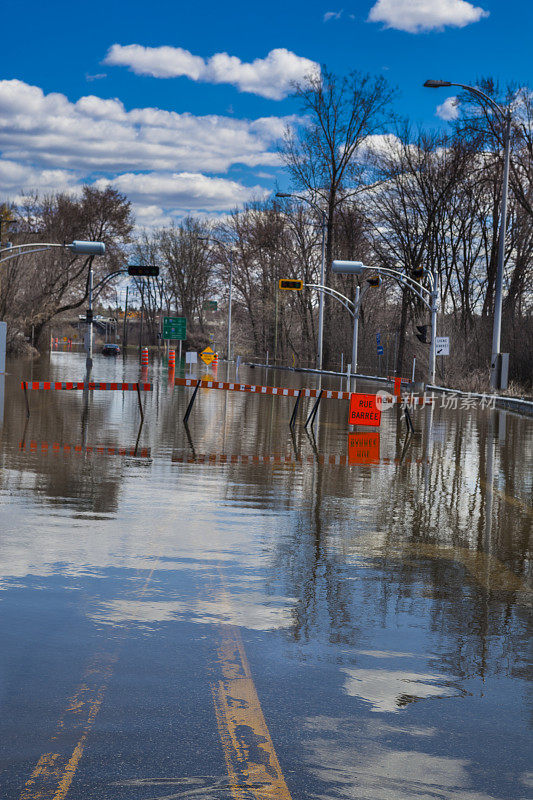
[230,612]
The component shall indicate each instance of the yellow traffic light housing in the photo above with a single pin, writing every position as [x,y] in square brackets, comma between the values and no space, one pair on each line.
[290,284]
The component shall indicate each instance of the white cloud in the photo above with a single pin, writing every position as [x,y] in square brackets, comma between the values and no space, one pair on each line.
[417,16]
[17,179]
[100,135]
[449,109]
[158,158]
[329,15]
[271,77]
[186,191]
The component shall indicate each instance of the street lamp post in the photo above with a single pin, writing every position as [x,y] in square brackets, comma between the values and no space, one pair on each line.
[352,306]
[505,115]
[78,247]
[355,338]
[322,215]
[228,346]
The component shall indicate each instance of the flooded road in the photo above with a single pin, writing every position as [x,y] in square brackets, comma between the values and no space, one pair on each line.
[233,613]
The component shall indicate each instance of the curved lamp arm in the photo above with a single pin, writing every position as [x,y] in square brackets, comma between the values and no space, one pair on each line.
[332,293]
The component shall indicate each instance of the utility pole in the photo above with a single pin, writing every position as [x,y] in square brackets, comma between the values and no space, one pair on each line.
[124,327]
[495,364]
[433,344]
[89,318]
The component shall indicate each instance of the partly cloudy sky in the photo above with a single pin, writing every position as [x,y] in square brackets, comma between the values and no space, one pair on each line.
[181,106]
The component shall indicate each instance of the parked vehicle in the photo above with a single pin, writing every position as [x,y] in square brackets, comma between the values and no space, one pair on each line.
[110,349]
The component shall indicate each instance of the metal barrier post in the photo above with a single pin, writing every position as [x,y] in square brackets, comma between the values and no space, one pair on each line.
[191,402]
[312,415]
[295,410]
[140,404]
[24,386]
[408,420]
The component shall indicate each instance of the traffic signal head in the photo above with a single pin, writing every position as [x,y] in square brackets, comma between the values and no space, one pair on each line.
[418,274]
[374,280]
[289,283]
[422,334]
[143,270]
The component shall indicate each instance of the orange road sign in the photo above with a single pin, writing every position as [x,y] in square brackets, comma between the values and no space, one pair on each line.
[363,448]
[207,356]
[364,410]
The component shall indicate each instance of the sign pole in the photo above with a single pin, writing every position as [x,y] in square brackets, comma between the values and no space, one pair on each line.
[355,329]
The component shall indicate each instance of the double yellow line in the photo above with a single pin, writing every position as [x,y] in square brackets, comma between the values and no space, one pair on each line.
[252,764]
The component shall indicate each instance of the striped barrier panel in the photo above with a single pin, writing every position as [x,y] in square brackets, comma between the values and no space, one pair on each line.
[92,386]
[66,449]
[327,394]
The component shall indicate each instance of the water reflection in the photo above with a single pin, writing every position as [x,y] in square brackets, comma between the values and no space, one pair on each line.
[385,576]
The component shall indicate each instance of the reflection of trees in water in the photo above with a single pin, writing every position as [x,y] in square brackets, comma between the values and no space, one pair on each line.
[87,483]
[462,504]
[405,523]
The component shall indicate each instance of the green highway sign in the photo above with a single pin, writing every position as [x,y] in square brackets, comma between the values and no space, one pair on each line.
[210,305]
[174,328]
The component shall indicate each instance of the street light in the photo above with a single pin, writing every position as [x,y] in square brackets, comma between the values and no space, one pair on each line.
[352,306]
[505,115]
[78,247]
[430,300]
[322,215]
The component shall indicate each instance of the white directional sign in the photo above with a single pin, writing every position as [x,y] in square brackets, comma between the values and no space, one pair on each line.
[442,345]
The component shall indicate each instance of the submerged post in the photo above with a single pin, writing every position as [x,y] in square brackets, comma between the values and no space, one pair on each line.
[295,409]
[191,402]
[140,403]
[24,386]
[312,415]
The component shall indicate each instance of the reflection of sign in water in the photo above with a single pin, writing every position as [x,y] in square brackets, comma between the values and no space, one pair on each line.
[363,448]
[364,410]
[442,345]
[207,356]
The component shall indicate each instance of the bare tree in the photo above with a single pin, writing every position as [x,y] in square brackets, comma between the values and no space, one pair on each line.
[48,284]
[324,155]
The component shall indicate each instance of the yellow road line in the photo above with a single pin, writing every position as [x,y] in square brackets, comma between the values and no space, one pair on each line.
[54,772]
[251,761]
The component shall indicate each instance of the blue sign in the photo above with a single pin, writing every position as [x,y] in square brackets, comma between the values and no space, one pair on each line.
[378,338]
[380,350]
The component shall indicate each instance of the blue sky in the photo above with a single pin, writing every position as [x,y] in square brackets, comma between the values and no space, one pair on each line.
[206,140]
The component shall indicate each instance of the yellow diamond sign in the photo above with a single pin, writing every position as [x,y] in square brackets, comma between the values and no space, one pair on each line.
[207,355]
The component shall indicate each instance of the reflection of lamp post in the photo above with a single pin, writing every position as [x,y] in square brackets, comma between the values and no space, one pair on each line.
[322,215]
[505,115]
[357,268]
